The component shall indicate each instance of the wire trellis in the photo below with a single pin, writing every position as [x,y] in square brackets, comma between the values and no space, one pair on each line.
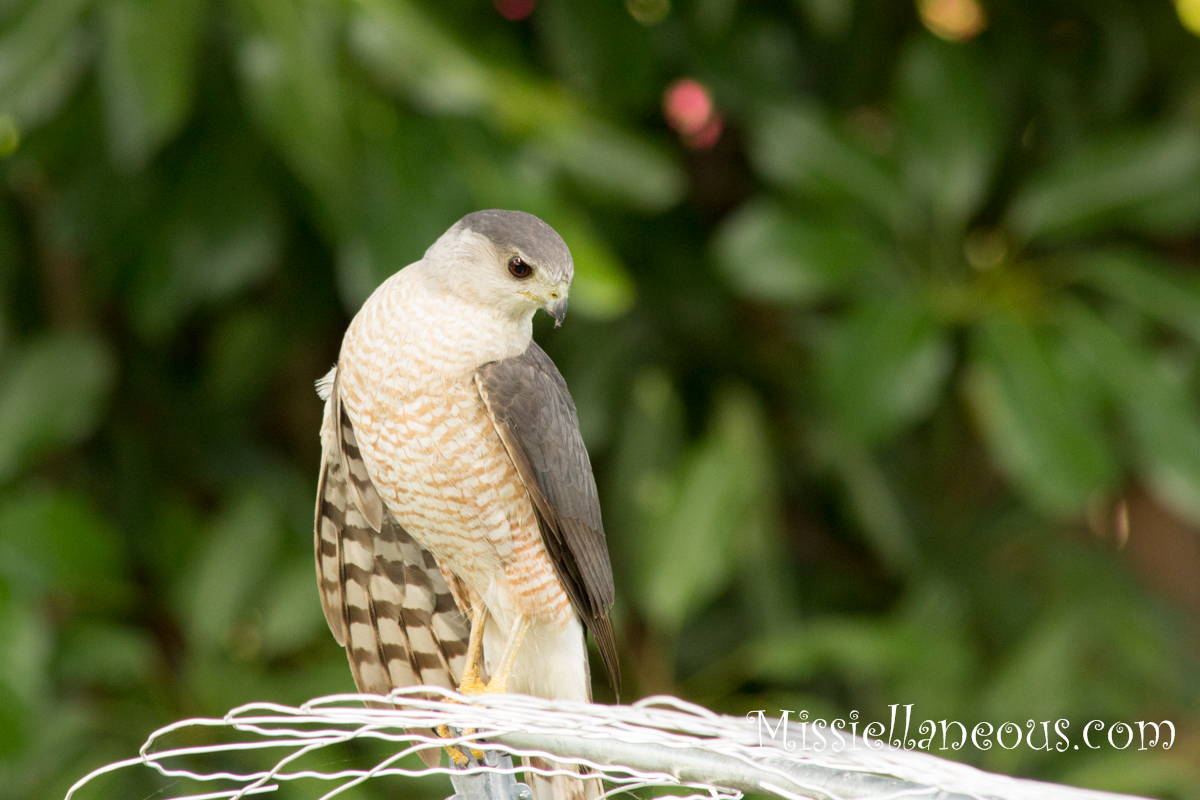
[656,743]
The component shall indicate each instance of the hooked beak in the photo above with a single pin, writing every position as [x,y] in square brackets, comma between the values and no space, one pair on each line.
[556,309]
[556,304]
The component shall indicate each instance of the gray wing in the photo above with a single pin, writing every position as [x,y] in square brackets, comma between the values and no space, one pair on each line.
[383,595]
[533,412]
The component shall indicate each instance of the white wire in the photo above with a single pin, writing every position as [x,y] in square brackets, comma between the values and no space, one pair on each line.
[659,721]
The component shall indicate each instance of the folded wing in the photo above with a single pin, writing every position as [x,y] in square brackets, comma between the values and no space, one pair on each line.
[533,412]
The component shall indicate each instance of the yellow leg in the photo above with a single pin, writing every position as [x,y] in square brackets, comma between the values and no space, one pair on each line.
[499,682]
[471,683]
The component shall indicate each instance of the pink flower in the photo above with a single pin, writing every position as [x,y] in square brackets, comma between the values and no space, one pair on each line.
[689,109]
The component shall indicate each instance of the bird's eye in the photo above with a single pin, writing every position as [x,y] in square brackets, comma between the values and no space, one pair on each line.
[518,267]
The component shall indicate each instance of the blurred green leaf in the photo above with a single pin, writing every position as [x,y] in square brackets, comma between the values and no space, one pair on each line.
[1042,428]
[797,147]
[410,54]
[723,500]
[858,648]
[10,265]
[52,392]
[106,655]
[714,16]
[652,437]
[225,574]
[58,541]
[221,233]
[41,57]
[289,64]
[831,18]
[884,368]
[1053,652]
[147,72]
[1095,184]
[871,498]
[604,159]
[1174,214]
[1126,59]
[1160,415]
[600,51]
[772,255]
[924,636]
[26,643]
[291,615]
[951,127]
[10,135]
[601,288]
[762,60]
[244,349]
[15,720]
[1073,655]
[1147,284]
[234,178]
[10,9]
[169,537]
[400,158]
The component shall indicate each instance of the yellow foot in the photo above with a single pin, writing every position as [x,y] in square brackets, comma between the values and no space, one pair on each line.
[472,685]
[457,756]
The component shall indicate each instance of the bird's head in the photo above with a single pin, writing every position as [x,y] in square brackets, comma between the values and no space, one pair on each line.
[508,260]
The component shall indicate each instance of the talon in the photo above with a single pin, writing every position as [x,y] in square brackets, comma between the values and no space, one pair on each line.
[469,685]
[457,756]
[478,753]
[472,685]
[456,753]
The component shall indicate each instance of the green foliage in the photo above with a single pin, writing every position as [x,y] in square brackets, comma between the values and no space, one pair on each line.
[147,71]
[857,380]
[1042,430]
[54,389]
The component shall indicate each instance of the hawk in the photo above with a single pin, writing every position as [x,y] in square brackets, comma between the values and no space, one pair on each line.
[458,530]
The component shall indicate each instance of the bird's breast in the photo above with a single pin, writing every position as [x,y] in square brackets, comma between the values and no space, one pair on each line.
[409,334]
[407,380]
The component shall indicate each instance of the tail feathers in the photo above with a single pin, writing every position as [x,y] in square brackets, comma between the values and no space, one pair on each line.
[384,597]
[561,787]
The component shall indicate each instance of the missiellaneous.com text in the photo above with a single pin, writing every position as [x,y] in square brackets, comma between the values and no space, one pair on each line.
[795,731]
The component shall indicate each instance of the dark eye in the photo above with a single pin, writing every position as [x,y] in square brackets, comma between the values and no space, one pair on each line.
[518,267]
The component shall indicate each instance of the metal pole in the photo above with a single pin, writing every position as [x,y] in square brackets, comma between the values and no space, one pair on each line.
[489,785]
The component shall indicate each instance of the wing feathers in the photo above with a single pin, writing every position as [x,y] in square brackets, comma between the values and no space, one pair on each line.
[331,508]
[363,490]
[533,412]
[363,642]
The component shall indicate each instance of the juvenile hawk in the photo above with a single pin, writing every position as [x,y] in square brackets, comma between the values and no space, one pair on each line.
[458,531]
